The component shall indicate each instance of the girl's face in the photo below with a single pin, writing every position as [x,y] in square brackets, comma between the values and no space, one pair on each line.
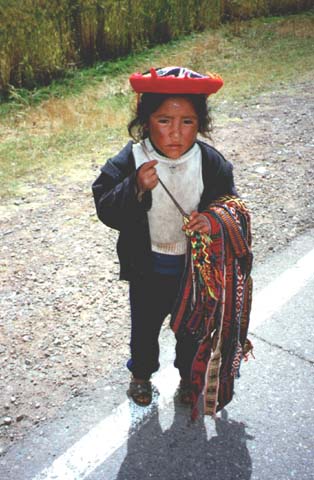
[173,127]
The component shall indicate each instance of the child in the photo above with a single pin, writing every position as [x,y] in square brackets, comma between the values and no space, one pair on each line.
[144,192]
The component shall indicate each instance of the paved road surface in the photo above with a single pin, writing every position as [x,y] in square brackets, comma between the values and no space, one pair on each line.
[265,433]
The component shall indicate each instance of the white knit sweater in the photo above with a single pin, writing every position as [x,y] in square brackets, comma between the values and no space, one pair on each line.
[183,178]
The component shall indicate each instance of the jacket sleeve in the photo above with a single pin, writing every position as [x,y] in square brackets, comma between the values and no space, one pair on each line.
[217,176]
[224,181]
[115,194]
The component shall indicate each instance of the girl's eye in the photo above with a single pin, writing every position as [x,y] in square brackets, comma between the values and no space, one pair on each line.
[163,120]
[188,121]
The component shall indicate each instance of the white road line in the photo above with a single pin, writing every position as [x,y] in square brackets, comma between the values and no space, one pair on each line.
[280,290]
[100,442]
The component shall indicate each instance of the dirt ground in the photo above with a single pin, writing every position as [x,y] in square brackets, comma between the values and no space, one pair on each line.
[64,317]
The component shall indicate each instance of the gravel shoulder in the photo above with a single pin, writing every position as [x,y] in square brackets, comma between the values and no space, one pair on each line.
[64,317]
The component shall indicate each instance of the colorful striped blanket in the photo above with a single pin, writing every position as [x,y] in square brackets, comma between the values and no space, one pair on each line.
[215,301]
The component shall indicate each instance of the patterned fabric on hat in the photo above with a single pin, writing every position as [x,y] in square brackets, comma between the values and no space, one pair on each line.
[179,72]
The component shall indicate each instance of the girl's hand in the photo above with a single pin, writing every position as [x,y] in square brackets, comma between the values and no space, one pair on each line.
[198,223]
[146,177]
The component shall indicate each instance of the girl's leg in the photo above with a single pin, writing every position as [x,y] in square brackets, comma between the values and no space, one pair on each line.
[151,300]
[186,349]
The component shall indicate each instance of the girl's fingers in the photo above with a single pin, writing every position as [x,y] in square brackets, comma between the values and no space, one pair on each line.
[147,176]
[149,165]
[198,223]
[151,180]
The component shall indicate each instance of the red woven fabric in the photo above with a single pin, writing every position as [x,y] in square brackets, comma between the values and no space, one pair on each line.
[219,312]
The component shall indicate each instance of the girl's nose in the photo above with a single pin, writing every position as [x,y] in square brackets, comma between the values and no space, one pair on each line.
[175,131]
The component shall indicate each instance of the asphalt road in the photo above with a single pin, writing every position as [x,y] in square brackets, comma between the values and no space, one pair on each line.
[265,433]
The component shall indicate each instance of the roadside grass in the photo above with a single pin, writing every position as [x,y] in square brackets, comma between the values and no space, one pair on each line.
[72,126]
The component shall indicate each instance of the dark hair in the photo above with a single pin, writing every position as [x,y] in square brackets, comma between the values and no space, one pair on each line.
[150,102]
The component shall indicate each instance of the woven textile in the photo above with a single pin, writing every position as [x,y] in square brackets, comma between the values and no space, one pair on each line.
[214,302]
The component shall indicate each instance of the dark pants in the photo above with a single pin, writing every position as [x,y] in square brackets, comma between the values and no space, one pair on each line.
[151,300]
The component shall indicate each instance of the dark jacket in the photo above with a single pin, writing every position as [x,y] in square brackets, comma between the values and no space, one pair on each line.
[118,207]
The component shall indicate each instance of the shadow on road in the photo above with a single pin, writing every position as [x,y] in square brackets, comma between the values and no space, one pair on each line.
[185,452]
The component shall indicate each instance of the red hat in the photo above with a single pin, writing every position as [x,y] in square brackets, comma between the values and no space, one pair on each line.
[175,80]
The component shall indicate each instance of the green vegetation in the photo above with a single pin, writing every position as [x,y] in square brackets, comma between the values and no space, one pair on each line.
[40,40]
[73,125]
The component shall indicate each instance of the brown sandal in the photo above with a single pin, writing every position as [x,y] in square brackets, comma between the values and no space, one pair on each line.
[140,391]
